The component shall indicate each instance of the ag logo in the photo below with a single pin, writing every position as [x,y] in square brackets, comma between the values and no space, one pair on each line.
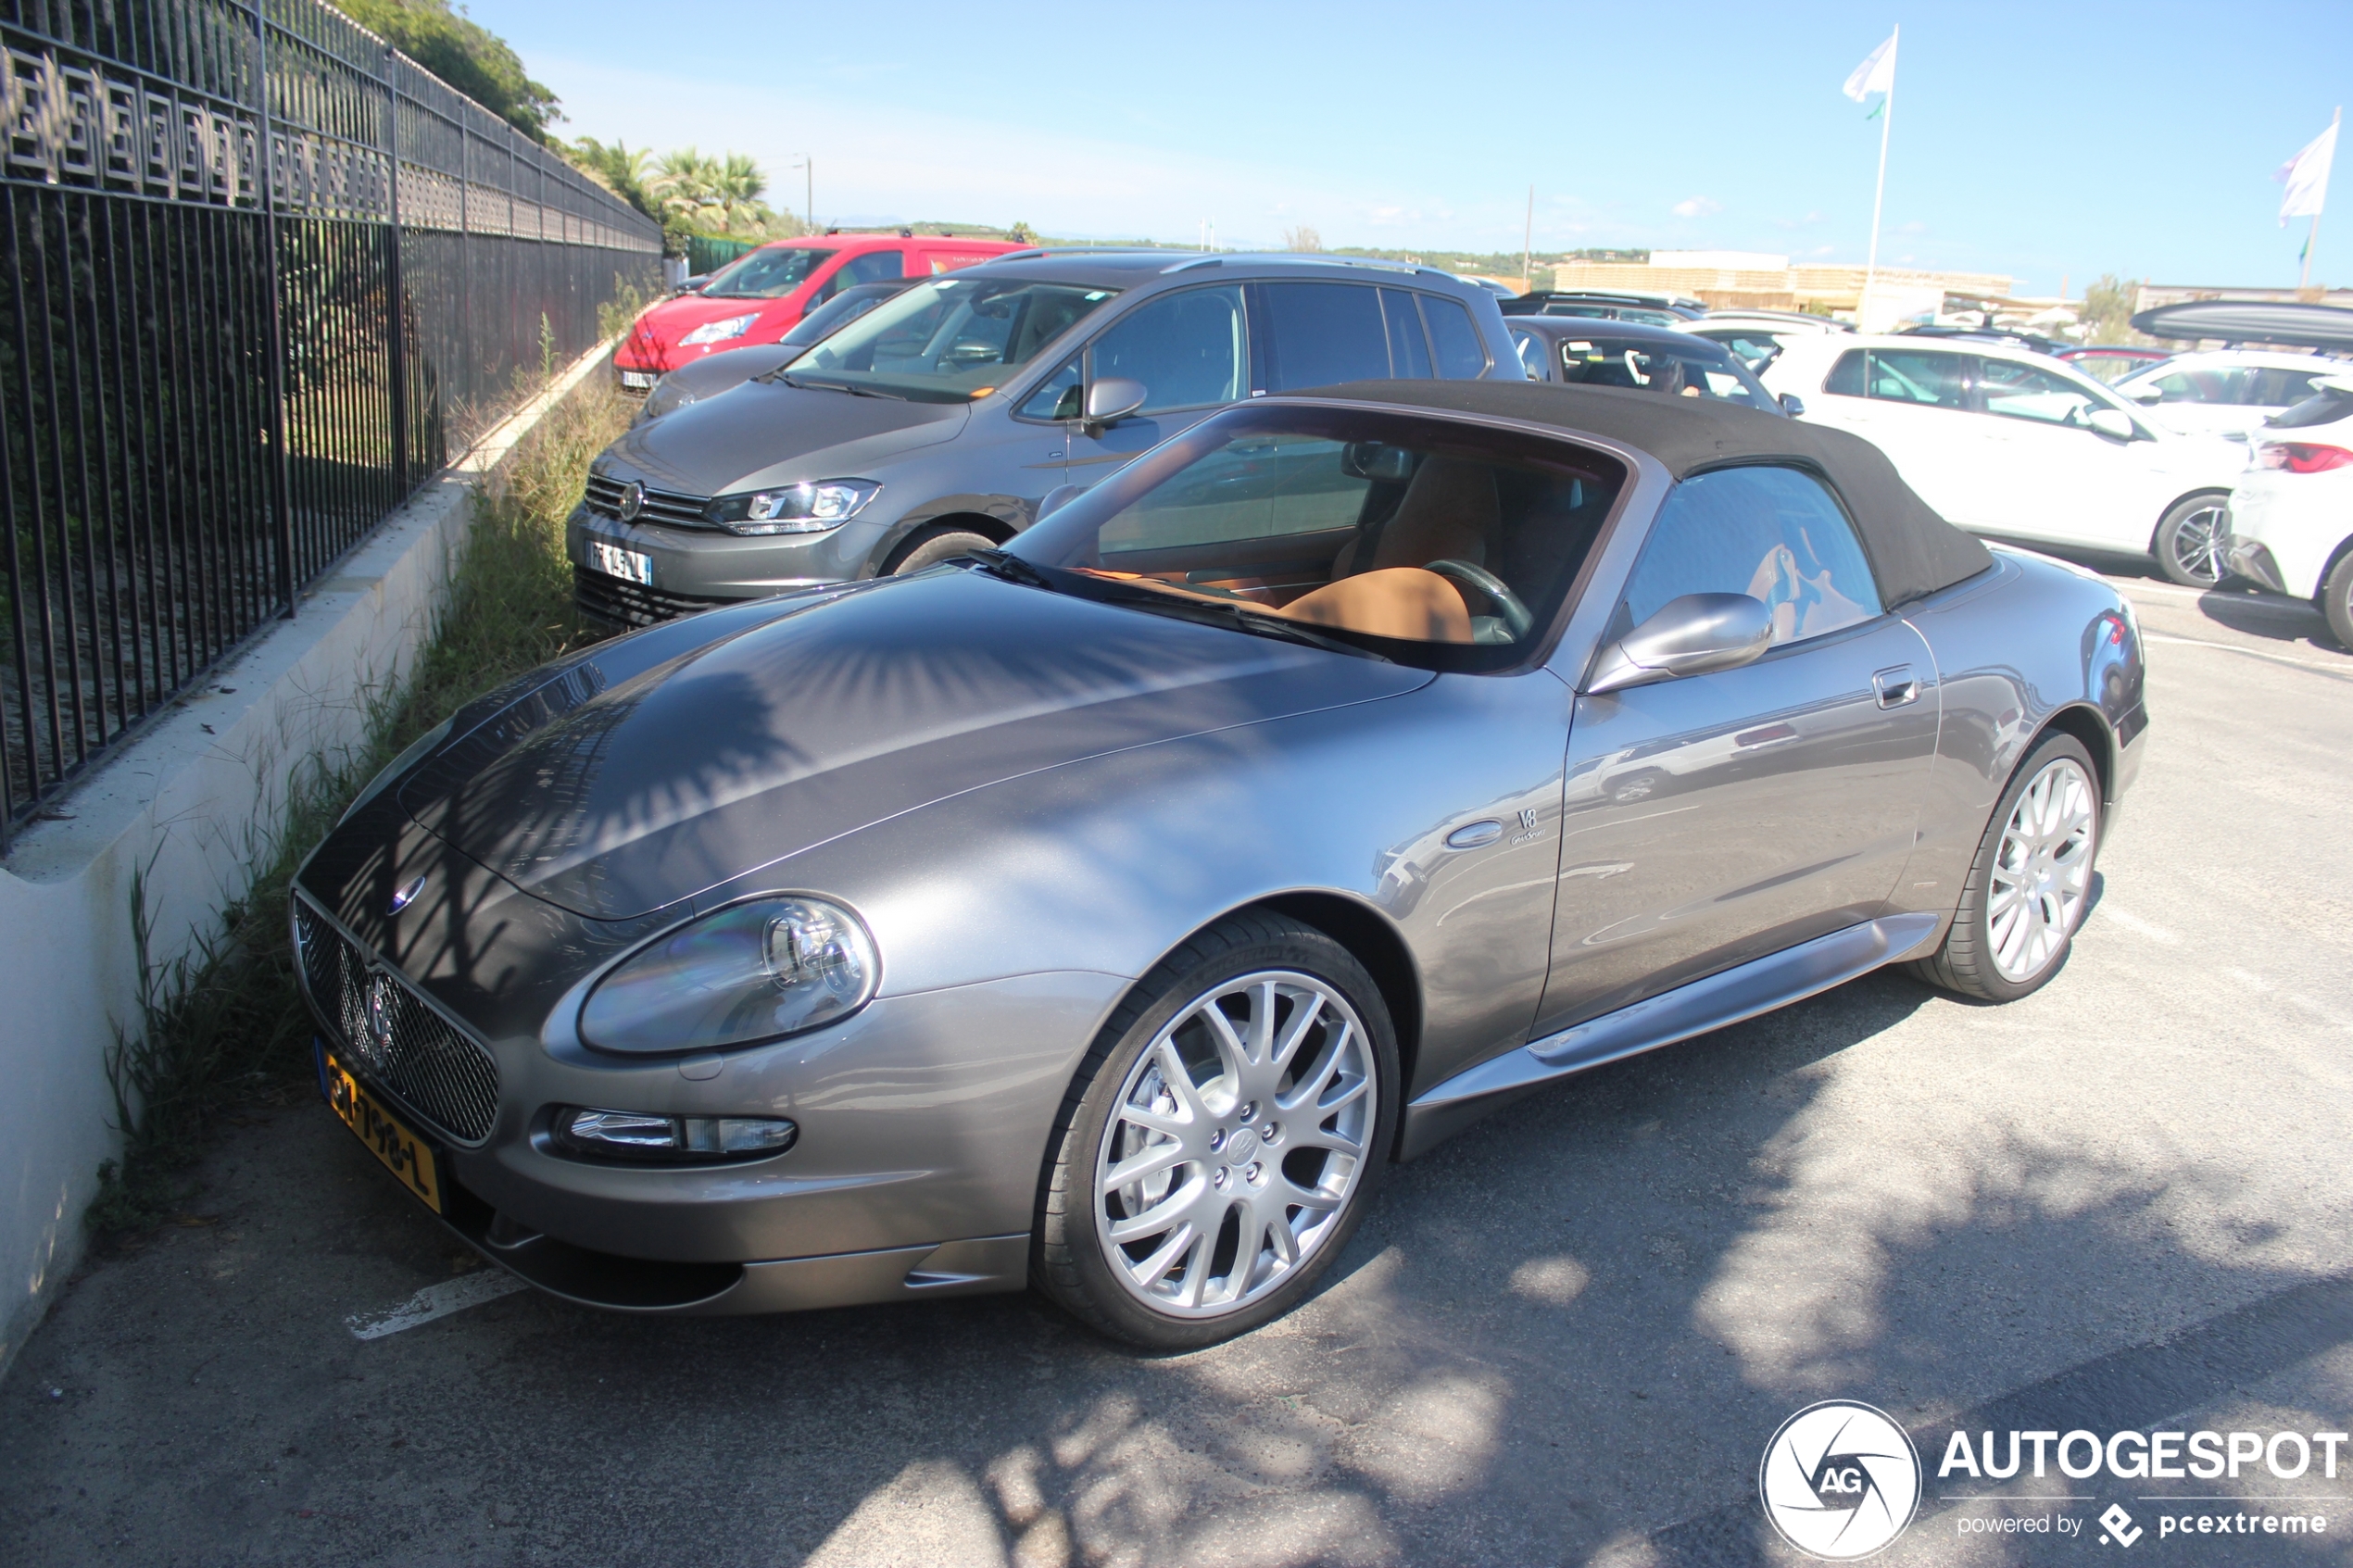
[1840,1480]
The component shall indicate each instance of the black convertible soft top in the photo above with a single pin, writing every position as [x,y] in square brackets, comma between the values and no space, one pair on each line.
[1913,551]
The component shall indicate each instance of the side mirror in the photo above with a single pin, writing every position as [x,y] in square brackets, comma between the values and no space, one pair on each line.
[1793,404]
[1113,399]
[2145,395]
[1058,496]
[1695,634]
[2114,423]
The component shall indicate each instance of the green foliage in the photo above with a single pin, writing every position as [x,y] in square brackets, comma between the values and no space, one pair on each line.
[463,53]
[225,1025]
[2107,310]
[687,192]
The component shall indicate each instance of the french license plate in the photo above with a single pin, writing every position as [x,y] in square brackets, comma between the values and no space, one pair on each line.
[404,1153]
[637,381]
[630,566]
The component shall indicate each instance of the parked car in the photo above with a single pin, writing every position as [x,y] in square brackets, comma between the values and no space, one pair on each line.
[2111,362]
[2010,442]
[2009,337]
[1757,336]
[1651,309]
[1573,351]
[1106,913]
[941,421]
[698,379]
[2291,517]
[758,297]
[2227,391]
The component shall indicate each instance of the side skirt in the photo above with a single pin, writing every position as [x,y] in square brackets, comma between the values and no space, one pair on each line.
[1742,992]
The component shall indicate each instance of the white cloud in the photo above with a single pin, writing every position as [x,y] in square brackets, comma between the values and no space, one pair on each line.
[1696,206]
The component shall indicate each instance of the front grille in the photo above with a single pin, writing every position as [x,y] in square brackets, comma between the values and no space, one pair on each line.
[661,506]
[442,1076]
[628,603]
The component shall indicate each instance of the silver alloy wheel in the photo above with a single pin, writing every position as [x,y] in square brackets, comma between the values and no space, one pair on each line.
[1236,1143]
[2199,542]
[2043,871]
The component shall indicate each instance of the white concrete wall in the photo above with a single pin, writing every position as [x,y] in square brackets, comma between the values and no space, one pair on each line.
[194,802]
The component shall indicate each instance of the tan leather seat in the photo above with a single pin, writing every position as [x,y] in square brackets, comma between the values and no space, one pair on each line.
[1398,601]
[1449,512]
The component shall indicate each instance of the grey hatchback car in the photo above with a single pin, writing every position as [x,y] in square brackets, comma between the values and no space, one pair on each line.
[942,420]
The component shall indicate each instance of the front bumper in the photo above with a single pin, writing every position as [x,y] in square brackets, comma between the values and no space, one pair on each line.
[696,569]
[923,1121]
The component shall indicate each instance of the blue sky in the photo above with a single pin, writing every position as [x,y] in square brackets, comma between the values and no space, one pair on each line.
[2043,141]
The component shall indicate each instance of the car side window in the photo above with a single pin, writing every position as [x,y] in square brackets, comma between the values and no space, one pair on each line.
[1058,396]
[2225,384]
[2275,388]
[1531,355]
[1321,334]
[1938,381]
[875,266]
[1460,355]
[1774,534]
[2029,392]
[1409,348]
[1188,349]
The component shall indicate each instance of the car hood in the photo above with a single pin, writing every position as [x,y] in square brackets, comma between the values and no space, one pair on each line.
[623,792]
[763,432]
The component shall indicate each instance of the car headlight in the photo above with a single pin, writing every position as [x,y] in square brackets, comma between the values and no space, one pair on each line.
[756,971]
[795,508]
[720,331]
[392,770]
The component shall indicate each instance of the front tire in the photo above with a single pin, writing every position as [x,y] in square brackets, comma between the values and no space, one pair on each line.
[2336,601]
[2031,882]
[929,546]
[2190,542]
[1221,1142]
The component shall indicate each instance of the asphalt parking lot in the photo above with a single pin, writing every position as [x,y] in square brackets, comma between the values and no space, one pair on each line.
[1563,1338]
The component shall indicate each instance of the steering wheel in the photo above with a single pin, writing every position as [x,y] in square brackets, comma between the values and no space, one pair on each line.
[1516,620]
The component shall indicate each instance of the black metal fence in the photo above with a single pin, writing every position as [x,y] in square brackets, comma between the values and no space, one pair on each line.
[222,366]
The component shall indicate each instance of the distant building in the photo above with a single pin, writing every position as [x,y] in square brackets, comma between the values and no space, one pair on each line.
[1757,281]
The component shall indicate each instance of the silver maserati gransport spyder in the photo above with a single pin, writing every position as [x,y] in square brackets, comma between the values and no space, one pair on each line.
[1104,914]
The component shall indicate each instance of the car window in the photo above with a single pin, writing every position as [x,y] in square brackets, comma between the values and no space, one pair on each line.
[1187,349]
[1444,543]
[1321,334]
[875,266]
[1460,355]
[766,274]
[1652,367]
[1753,348]
[2211,384]
[1409,348]
[1774,534]
[2274,388]
[950,339]
[1531,354]
[1058,396]
[2029,392]
[1940,380]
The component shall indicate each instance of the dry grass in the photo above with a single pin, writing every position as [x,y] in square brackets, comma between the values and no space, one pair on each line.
[225,1024]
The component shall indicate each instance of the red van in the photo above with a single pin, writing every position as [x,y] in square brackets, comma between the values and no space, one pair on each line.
[758,297]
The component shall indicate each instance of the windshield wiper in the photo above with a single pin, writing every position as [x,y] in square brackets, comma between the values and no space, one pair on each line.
[1013,569]
[838,386]
[1209,613]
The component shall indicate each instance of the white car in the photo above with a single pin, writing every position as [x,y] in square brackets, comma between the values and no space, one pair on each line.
[1757,336]
[2226,392]
[2013,444]
[2291,517]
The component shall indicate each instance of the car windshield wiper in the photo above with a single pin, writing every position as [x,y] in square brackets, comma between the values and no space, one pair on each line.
[1209,613]
[839,386]
[1013,569]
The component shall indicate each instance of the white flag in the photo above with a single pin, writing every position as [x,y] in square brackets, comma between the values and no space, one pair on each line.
[2306,177]
[1875,74]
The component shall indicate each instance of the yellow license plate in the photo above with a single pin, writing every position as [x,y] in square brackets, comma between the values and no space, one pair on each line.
[404,1153]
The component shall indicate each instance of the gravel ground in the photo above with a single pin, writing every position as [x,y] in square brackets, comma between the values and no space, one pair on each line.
[1564,1338]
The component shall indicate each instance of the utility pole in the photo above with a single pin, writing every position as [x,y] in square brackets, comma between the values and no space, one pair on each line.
[1527,247]
[1879,192]
[808,165]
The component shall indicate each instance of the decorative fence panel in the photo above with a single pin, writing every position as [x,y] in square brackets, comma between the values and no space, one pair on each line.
[260,275]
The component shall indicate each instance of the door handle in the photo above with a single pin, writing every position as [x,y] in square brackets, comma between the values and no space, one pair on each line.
[1897,686]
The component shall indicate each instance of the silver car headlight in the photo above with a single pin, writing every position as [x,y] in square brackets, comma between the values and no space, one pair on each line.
[757,971]
[794,508]
[719,331]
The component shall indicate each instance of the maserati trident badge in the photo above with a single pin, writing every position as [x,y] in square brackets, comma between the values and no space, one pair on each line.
[407,894]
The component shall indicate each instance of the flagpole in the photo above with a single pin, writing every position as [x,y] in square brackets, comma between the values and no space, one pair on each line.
[2313,239]
[1879,192]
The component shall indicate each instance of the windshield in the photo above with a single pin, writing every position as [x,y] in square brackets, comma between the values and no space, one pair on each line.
[948,340]
[836,313]
[765,274]
[1431,543]
[1671,372]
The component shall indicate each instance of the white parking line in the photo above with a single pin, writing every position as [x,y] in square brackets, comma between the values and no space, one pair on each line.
[2342,670]
[2138,926]
[435,1302]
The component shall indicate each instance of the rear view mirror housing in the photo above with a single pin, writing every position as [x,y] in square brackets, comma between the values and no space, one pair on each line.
[1695,634]
[1113,398]
[2114,423]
